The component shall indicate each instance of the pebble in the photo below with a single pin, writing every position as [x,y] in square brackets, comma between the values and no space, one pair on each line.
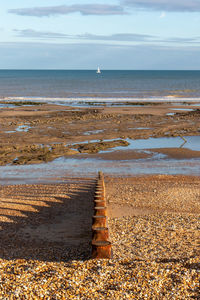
[155,255]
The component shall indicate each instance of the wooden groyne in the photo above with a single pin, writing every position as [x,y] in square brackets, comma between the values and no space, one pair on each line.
[101,246]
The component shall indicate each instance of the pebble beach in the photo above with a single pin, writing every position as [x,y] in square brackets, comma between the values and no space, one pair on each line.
[154,229]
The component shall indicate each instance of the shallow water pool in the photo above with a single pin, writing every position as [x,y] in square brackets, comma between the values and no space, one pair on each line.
[189,142]
[65,167]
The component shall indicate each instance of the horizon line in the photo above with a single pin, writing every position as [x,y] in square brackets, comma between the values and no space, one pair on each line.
[31,69]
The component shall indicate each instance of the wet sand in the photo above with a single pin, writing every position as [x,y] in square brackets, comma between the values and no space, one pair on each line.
[32,135]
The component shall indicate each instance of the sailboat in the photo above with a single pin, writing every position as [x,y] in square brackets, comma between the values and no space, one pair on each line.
[98,70]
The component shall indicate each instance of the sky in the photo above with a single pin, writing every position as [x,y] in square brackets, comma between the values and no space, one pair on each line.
[114,34]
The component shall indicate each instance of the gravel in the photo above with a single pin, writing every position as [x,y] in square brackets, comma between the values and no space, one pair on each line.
[154,229]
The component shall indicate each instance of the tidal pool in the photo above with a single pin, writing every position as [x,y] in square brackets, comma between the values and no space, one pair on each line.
[63,168]
[189,142]
[20,128]
[183,109]
[23,128]
[93,132]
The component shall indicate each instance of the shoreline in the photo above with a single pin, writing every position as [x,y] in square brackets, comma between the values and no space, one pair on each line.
[48,141]
[124,100]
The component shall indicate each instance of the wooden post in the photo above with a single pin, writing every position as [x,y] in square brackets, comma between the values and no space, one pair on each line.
[100,234]
[99,221]
[100,211]
[99,197]
[101,249]
[101,246]
[99,203]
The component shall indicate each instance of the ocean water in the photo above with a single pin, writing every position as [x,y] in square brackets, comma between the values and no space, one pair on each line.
[69,85]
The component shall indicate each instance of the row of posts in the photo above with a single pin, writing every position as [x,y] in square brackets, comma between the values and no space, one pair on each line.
[101,246]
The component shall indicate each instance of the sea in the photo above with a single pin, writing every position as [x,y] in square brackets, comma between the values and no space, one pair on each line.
[69,86]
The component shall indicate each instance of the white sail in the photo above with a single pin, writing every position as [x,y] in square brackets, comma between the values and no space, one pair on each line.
[98,70]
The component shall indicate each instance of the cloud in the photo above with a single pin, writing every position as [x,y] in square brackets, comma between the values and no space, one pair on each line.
[134,37]
[165,5]
[183,40]
[117,37]
[106,9]
[30,33]
[86,9]
[120,37]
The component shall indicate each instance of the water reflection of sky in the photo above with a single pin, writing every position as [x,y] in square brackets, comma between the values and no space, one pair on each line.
[22,128]
[192,143]
[62,168]
[188,142]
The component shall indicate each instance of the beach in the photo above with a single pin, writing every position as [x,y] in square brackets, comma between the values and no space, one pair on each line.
[153,220]
[154,230]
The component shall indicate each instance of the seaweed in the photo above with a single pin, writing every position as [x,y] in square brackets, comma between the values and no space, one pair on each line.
[21,103]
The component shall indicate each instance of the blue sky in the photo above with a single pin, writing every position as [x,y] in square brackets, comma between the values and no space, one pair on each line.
[81,34]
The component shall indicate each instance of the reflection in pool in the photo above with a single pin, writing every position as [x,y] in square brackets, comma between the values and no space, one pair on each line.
[192,143]
[24,128]
[62,168]
[189,142]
